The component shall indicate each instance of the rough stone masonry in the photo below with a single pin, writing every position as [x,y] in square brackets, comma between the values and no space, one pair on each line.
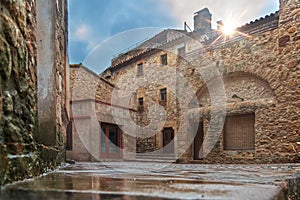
[260,73]
[24,151]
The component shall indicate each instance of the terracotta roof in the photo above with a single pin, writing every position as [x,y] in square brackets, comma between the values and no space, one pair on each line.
[262,22]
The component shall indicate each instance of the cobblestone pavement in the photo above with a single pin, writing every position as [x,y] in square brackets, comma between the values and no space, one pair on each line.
[150,180]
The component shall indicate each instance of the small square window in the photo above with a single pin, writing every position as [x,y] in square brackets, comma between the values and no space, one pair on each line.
[141,104]
[163,94]
[164,59]
[141,101]
[140,69]
[181,51]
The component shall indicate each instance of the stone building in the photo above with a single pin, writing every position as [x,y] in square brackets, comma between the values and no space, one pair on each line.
[34,98]
[207,97]
[181,95]
[95,130]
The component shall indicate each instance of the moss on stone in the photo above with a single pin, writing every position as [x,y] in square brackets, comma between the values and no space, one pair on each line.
[5,59]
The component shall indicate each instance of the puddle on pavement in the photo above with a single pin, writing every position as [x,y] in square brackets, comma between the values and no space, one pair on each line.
[92,186]
[79,186]
[58,195]
[96,181]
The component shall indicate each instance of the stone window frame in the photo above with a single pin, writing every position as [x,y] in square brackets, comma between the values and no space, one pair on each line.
[181,51]
[164,59]
[140,69]
[140,104]
[163,101]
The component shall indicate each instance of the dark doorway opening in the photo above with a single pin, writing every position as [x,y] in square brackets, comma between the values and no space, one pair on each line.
[69,145]
[168,140]
[110,141]
[198,141]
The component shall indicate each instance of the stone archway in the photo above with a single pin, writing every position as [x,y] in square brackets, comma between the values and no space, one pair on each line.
[245,93]
[239,87]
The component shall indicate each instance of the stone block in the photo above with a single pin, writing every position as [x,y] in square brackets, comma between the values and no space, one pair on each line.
[282,42]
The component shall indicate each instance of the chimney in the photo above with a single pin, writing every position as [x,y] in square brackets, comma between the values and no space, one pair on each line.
[220,25]
[202,21]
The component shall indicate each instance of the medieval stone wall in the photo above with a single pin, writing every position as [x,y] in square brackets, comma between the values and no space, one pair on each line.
[18,90]
[155,76]
[85,84]
[270,57]
[21,153]
[259,74]
[62,68]
[92,105]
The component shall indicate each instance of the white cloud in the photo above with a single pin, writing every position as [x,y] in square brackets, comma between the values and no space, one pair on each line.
[84,33]
[242,11]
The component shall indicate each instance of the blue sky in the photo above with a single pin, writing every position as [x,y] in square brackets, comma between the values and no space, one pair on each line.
[101,23]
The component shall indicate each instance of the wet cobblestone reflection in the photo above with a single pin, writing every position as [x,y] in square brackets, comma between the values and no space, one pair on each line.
[132,180]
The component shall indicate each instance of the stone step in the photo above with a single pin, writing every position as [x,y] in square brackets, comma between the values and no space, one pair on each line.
[147,157]
[154,160]
[155,155]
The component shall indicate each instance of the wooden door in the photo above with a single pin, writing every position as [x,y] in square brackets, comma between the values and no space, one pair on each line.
[110,141]
[168,140]
[198,141]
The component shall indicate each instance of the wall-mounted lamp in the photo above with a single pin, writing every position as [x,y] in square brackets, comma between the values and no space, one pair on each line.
[237,97]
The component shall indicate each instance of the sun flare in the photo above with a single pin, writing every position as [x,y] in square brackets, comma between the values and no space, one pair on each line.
[229,28]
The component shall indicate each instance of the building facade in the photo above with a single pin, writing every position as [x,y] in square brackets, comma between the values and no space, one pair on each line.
[95,130]
[206,97]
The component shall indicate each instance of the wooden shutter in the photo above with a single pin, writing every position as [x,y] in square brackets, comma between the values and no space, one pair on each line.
[239,132]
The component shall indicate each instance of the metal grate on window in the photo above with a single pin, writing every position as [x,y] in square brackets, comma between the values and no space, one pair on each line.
[239,132]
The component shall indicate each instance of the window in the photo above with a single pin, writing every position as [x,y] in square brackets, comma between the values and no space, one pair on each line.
[239,132]
[140,104]
[163,94]
[141,101]
[164,59]
[181,51]
[140,69]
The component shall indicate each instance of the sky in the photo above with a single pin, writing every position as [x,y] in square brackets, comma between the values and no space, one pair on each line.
[100,29]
